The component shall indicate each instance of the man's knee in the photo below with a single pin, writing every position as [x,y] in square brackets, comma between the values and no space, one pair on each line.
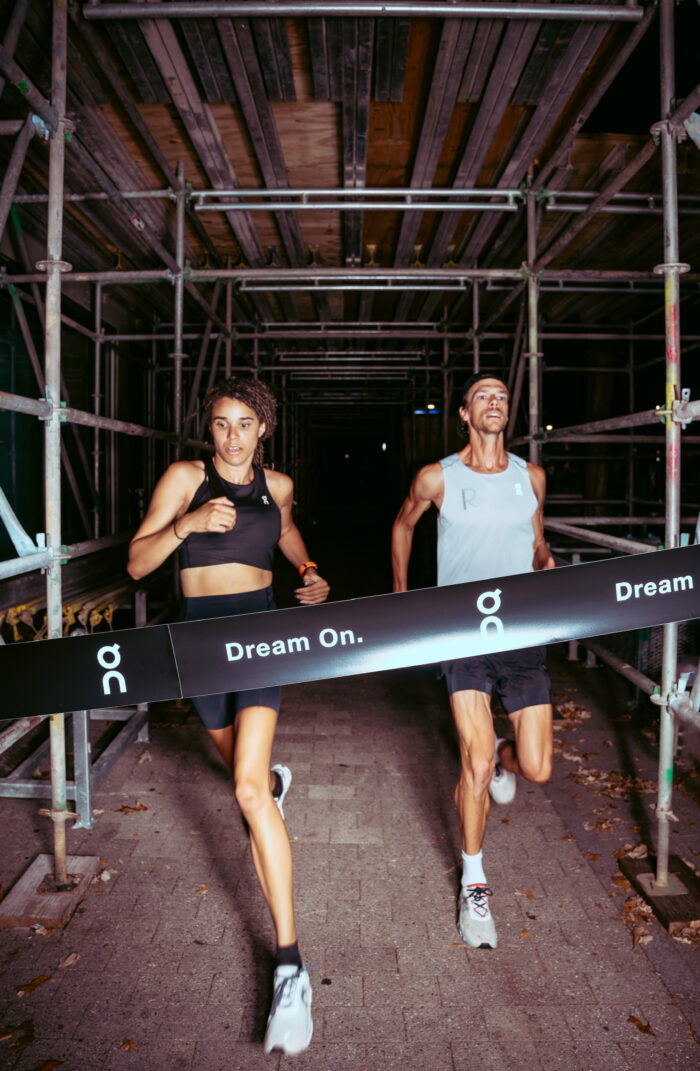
[476,774]
[536,770]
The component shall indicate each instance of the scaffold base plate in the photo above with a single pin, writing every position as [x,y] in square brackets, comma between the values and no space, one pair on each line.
[32,901]
[675,905]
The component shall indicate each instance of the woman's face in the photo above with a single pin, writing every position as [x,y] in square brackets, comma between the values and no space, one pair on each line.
[235,430]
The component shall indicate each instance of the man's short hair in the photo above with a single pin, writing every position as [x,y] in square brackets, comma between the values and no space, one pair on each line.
[475,379]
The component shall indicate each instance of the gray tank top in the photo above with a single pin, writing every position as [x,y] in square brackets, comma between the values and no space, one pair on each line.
[485,522]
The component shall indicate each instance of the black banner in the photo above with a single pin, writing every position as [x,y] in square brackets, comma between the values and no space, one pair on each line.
[344,638]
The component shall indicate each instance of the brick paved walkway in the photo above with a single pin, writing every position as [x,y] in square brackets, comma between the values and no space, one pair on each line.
[174,964]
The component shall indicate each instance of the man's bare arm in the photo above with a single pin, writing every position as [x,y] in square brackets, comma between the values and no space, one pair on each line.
[542,555]
[426,491]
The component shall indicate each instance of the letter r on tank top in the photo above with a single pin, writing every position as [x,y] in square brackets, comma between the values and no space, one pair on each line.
[468,497]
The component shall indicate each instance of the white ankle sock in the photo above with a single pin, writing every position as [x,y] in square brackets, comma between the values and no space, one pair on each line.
[473,869]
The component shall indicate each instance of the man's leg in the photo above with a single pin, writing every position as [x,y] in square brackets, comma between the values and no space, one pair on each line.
[531,754]
[474,724]
[524,689]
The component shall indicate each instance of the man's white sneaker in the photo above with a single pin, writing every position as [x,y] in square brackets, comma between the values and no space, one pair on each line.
[476,924]
[503,783]
[289,1025]
[285,776]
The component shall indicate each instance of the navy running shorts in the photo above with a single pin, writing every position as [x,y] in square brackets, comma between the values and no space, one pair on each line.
[519,678]
[219,711]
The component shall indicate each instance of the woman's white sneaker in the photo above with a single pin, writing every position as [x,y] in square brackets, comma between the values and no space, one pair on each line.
[289,1025]
[285,776]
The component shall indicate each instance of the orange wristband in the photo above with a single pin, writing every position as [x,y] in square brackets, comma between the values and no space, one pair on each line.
[306,565]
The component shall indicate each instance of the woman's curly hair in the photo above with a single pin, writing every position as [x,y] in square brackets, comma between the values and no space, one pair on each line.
[256,395]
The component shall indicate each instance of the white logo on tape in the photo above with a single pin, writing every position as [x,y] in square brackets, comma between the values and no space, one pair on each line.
[111,652]
[491,626]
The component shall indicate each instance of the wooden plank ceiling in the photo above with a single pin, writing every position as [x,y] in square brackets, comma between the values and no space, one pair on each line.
[354,103]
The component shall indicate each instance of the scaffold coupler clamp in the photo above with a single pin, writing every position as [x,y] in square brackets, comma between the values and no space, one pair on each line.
[682,412]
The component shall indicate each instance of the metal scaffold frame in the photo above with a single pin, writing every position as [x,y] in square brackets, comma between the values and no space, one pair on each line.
[525,374]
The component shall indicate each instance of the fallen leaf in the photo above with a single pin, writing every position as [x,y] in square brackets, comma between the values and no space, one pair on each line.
[525,892]
[138,806]
[146,757]
[26,990]
[128,1045]
[48,1065]
[639,852]
[69,960]
[5,1036]
[525,933]
[43,931]
[505,821]
[202,888]
[644,1027]
[593,856]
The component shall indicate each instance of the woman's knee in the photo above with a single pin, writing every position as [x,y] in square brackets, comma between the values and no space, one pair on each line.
[251,793]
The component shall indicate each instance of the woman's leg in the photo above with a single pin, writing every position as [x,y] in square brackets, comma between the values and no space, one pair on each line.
[223,739]
[247,749]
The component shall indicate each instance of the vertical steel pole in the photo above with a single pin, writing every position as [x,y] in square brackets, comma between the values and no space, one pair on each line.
[52,429]
[534,356]
[229,323]
[475,326]
[97,380]
[112,436]
[630,404]
[671,269]
[178,355]
[284,424]
[445,392]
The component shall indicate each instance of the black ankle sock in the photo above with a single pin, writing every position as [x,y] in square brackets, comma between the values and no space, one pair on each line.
[277,787]
[288,955]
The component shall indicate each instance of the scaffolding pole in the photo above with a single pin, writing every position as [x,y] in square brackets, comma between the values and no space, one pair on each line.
[53,265]
[671,268]
[533,355]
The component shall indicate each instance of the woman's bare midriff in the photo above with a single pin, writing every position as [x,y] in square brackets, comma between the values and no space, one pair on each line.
[230,579]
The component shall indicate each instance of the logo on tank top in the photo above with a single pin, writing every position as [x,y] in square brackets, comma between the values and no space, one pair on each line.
[518,489]
[468,497]
[266,500]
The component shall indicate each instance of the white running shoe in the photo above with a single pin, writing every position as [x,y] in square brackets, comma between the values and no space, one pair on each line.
[289,1025]
[285,775]
[476,924]
[503,783]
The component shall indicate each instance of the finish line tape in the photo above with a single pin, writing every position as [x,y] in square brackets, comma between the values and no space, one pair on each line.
[340,639]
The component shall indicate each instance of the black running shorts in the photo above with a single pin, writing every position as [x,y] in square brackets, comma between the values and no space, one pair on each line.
[219,711]
[519,678]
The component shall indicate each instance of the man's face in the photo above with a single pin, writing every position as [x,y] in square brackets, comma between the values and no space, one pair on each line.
[486,406]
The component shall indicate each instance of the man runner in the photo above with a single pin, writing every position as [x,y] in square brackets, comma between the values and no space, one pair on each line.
[490,524]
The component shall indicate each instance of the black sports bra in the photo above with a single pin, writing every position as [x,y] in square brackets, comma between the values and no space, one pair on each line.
[252,540]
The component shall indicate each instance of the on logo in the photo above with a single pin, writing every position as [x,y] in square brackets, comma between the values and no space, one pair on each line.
[109,658]
[491,621]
